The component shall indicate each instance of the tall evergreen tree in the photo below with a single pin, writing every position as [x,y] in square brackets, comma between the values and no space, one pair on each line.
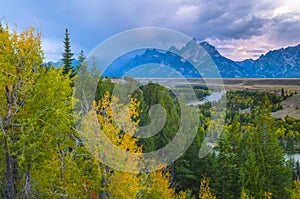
[228,167]
[67,56]
[264,168]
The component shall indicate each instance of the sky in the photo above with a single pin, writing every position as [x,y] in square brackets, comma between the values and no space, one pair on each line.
[239,29]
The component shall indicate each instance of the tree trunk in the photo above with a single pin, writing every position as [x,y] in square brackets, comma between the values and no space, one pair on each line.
[11,160]
[11,174]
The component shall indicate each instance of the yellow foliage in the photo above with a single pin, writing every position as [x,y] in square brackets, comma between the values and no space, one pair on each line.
[181,195]
[118,122]
[268,195]
[123,185]
[160,186]
[296,190]
[204,192]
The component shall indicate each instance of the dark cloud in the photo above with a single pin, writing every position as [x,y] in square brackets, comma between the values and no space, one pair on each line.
[285,28]
[232,19]
[92,21]
[241,28]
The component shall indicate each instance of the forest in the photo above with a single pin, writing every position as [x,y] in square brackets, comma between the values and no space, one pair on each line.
[42,154]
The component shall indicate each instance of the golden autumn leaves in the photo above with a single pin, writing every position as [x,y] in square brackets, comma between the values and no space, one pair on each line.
[123,184]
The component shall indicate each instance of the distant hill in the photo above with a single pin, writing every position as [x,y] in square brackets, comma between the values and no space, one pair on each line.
[282,63]
[59,63]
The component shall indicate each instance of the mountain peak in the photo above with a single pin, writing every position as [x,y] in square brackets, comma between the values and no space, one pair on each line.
[280,63]
[209,48]
[205,43]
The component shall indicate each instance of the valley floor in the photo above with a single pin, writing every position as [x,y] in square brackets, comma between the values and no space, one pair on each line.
[260,84]
[291,107]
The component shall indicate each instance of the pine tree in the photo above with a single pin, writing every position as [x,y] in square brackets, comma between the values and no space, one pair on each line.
[264,168]
[282,92]
[278,175]
[81,58]
[228,167]
[67,56]
[251,157]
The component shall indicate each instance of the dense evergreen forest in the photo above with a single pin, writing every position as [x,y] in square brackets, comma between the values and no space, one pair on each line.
[43,156]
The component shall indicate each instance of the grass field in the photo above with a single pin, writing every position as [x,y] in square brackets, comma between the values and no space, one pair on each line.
[291,107]
[273,84]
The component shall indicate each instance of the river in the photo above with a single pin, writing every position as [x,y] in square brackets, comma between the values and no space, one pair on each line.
[213,97]
[295,156]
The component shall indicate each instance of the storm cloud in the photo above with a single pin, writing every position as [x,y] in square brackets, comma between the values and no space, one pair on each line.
[239,29]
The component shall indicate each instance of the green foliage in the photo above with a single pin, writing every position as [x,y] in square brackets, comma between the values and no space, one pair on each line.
[39,154]
[228,170]
[20,58]
[264,160]
[150,95]
[243,99]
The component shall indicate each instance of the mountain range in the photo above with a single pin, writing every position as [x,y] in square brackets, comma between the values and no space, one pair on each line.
[281,63]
